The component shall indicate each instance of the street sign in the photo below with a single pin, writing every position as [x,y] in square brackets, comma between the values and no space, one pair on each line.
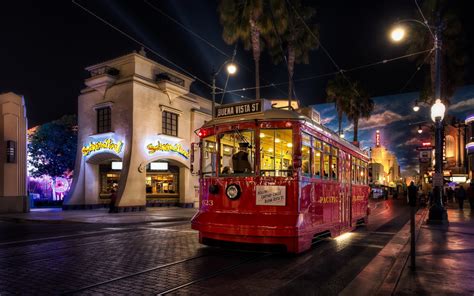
[438,179]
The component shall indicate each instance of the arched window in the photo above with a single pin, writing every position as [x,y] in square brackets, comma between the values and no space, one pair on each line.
[450,146]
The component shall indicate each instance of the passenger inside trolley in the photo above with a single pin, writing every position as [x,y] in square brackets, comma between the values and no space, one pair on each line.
[240,160]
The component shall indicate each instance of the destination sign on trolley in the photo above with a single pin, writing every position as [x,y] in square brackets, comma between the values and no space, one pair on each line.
[239,109]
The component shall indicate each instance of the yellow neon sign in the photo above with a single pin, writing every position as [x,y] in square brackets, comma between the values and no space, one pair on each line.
[107,144]
[165,147]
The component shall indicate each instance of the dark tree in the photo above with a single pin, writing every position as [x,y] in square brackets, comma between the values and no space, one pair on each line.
[52,147]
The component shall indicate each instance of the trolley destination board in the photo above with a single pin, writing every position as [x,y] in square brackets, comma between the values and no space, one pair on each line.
[239,109]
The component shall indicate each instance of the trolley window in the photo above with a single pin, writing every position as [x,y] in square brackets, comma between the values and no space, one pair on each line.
[237,153]
[306,155]
[276,152]
[326,158]
[334,163]
[317,147]
[209,156]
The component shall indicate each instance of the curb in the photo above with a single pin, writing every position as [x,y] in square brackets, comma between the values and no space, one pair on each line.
[392,279]
[62,221]
[381,275]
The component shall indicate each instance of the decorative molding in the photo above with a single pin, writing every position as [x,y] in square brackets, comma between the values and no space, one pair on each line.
[170,109]
[103,105]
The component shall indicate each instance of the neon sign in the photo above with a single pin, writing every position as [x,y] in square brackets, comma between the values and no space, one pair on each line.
[377,138]
[166,147]
[107,144]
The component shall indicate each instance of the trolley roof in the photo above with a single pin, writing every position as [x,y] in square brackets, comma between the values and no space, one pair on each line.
[265,112]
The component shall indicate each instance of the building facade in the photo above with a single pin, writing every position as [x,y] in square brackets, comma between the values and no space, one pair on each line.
[470,146]
[388,161]
[13,125]
[136,128]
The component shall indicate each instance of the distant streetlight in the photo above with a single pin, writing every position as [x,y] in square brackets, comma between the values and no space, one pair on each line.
[420,129]
[416,108]
[231,69]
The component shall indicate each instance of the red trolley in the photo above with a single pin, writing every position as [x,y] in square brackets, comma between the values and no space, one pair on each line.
[279,177]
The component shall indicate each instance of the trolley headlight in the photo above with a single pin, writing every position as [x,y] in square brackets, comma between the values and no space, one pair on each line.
[233,191]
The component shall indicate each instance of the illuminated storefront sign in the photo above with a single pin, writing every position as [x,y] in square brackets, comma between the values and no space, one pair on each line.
[107,144]
[166,147]
[377,138]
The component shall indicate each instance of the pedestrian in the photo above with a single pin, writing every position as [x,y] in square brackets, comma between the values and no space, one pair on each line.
[470,196]
[450,194]
[113,200]
[461,196]
[412,194]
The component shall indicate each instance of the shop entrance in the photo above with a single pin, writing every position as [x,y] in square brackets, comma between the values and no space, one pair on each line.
[109,176]
[162,183]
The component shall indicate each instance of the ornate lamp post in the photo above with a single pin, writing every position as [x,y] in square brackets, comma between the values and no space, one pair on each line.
[438,214]
[231,69]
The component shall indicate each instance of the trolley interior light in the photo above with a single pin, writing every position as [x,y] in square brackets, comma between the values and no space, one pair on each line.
[289,145]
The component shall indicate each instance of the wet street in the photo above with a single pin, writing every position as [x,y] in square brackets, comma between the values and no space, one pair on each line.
[166,258]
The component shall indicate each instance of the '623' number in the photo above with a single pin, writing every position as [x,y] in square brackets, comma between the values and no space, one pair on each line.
[207,202]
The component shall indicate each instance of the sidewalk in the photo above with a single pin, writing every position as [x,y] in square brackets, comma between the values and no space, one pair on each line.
[57,215]
[444,258]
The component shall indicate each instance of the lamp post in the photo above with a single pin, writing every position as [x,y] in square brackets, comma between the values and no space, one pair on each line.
[231,69]
[437,214]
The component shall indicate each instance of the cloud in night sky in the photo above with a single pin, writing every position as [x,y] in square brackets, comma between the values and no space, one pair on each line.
[398,124]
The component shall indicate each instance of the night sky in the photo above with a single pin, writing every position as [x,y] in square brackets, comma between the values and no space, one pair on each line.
[47,44]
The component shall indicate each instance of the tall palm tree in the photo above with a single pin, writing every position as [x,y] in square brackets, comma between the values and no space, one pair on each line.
[339,92]
[453,57]
[247,21]
[361,106]
[295,40]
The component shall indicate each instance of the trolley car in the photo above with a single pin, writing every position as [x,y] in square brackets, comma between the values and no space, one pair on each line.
[278,177]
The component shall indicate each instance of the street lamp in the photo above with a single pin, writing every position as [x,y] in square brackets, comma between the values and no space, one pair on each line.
[420,129]
[438,214]
[231,69]
[416,108]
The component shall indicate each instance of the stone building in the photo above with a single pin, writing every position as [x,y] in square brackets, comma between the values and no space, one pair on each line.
[13,125]
[136,128]
[388,160]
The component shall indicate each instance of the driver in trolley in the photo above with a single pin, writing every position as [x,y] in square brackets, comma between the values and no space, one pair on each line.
[240,160]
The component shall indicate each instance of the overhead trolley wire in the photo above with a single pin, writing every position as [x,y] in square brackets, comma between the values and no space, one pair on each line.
[142,44]
[417,69]
[209,43]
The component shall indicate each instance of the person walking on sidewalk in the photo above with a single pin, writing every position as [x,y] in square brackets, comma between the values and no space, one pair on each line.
[470,195]
[461,196]
[113,200]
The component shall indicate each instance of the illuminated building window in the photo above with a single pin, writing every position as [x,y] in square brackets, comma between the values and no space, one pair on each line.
[450,146]
[104,120]
[170,123]
[164,183]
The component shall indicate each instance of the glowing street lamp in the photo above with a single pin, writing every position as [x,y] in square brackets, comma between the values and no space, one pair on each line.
[397,34]
[420,129]
[231,69]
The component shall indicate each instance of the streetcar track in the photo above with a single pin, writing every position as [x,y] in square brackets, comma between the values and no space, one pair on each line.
[133,274]
[91,234]
[214,274]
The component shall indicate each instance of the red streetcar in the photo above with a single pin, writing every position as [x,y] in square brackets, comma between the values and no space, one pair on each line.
[277,177]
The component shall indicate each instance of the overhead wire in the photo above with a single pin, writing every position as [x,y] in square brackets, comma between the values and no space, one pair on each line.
[141,44]
[207,41]
[280,44]
[385,61]
[424,19]
[417,70]
[322,47]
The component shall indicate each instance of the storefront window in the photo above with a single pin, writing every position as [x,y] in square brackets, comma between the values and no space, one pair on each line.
[108,179]
[209,156]
[163,183]
[237,152]
[276,152]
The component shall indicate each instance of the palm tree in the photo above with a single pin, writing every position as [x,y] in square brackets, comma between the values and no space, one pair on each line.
[297,41]
[360,106]
[339,92]
[247,21]
[453,57]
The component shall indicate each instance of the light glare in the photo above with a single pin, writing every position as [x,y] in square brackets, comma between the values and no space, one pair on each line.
[397,34]
[231,68]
